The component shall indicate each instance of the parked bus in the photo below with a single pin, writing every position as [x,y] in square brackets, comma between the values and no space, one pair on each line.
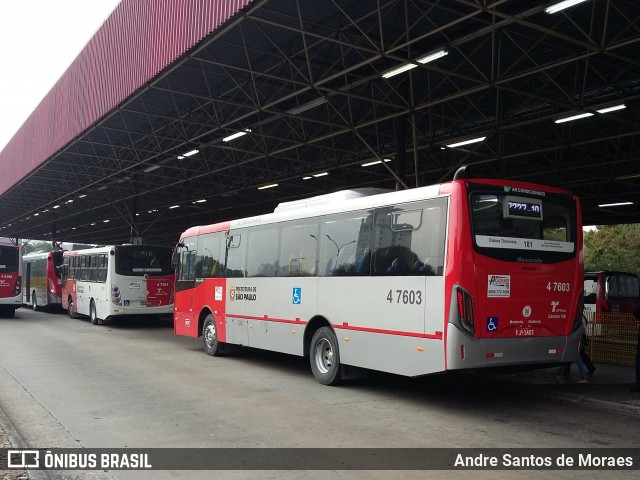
[10,275]
[119,280]
[466,274]
[608,291]
[42,279]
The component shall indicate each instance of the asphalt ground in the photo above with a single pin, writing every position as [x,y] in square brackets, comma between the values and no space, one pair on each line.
[608,388]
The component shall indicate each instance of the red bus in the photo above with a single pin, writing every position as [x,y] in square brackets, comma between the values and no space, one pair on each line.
[466,274]
[108,282]
[10,275]
[608,291]
[42,279]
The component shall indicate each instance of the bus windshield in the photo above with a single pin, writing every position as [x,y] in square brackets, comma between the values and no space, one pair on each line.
[57,261]
[519,228]
[139,260]
[9,258]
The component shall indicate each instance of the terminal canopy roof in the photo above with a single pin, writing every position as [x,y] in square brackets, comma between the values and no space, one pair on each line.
[312,93]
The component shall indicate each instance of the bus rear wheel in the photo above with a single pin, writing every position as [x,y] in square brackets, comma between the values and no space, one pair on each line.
[71,309]
[93,313]
[325,357]
[212,346]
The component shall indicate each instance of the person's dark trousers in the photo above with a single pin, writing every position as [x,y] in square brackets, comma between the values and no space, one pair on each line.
[587,361]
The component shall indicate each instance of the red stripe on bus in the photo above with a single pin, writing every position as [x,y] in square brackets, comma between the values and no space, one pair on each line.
[433,336]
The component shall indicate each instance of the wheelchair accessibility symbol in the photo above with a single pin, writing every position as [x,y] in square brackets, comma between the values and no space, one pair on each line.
[492,324]
[296,298]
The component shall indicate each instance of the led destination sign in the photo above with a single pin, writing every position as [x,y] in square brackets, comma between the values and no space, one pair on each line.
[520,207]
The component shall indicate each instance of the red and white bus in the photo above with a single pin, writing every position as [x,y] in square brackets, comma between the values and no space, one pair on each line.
[119,280]
[466,274]
[10,275]
[42,279]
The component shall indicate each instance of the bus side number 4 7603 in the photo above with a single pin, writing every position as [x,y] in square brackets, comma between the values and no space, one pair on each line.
[407,297]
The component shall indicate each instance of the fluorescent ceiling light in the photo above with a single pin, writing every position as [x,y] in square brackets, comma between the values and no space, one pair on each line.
[105,221]
[56,206]
[466,142]
[620,204]
[264,187]
[562,5]
[189,153]
[103,187]
[307,177]
[93,224]
[377,162]
[612,109]
[151,168]
[574,117]
[174,206]
[398,70]
[36,214]
[430,57]
[236,135]
[81,196]
[316,102]
[69,201]
[202,200]
[320,174]
[628,177]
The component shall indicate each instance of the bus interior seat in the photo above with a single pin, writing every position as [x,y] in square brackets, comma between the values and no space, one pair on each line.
[398,265]
[363,264]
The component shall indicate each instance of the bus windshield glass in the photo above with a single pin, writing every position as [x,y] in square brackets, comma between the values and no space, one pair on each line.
[520,228]
[9,258]
[57,261]
[143,260]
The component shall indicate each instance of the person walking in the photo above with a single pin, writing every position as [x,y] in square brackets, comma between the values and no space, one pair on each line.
[583,362]
[584,356]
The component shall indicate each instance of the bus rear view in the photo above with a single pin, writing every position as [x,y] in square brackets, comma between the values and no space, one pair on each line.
[10,275]
[516,296]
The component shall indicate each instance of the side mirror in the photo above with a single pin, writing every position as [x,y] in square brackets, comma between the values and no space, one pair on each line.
[175,257]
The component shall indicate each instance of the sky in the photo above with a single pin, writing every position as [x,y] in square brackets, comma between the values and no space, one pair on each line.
[39,39]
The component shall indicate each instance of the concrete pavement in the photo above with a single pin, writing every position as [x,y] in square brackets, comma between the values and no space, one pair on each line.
[609,388]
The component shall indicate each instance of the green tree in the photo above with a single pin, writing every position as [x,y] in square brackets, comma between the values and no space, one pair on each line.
[613,247]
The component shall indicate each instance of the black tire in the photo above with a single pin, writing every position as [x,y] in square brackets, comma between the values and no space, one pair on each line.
[71,309]
[93,313]
[212,346]
[324,357]
[34,302]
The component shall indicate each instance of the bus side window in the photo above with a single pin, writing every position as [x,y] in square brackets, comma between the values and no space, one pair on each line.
[235,254]
[93,268]
[409,239]
[102,268]
[344,239]
[262,258]
[298,249]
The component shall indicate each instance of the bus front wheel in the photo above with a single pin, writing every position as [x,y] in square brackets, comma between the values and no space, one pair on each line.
[325,357]
[212,346]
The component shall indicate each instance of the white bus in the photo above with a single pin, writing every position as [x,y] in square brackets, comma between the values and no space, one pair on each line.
[467,274]
[118,280]
[10,275]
